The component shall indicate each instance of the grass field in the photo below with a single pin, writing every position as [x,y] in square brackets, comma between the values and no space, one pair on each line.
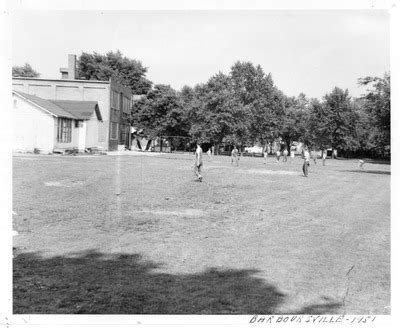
[138,234]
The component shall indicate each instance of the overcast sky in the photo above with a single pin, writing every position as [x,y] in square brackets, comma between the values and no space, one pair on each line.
[305,51]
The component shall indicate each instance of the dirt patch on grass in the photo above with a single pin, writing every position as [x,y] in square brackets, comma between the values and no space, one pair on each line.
[28,158]
[268,172]
[189,212]
[64,183]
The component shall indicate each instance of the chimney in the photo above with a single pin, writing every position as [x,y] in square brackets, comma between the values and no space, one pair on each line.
[70,72]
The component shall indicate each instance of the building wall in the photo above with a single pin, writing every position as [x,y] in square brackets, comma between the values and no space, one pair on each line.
[92,131]
[73,90]
[33,127]
[119,116]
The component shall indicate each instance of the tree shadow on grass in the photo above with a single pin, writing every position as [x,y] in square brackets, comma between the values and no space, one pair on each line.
[94,283]
[368,171]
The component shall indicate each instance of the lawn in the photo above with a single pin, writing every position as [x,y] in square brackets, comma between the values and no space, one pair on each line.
[138,234]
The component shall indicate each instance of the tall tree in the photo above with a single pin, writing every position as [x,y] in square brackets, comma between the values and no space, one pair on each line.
[377,107]
[161,113]
[126,71]
[335,120]
[263,101]
[216,113]
[24,71]
[294,124]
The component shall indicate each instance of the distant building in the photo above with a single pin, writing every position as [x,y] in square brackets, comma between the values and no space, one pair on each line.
[113,99]
[48,125]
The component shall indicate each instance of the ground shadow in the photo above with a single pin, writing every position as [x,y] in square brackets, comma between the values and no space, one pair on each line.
[366,160]
[94,283]
[368,171]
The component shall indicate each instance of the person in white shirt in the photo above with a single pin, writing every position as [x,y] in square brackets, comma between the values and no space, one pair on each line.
[324,153]
[292,153]
[235,156]
[266,151]
[198,162]
[306,164]
[209,154]
[278,155]
[285,153]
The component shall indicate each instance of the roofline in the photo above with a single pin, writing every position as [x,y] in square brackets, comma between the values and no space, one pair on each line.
[60,80]
[32,102]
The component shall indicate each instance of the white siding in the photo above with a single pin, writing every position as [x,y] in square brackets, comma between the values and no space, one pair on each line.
[73,90]
[33,127]
[92,131]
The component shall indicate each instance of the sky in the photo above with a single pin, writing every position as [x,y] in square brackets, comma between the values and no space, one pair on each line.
[309,51]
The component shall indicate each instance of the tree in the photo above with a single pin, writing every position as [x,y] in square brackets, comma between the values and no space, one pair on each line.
[24,71]
[216,113]
[333,123]
[263,101]
[376,103]
[126,71]
[161,113]
[295,121]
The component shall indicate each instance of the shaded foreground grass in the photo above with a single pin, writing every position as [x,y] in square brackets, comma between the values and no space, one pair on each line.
[90,283]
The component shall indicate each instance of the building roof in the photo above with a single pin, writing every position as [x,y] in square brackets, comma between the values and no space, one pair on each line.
[59,80]
[46,105]
[74,109]
[82,110]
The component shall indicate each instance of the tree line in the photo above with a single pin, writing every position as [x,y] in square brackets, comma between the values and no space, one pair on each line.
[244,107]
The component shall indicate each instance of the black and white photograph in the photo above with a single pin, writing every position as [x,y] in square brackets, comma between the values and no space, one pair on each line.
[200,162]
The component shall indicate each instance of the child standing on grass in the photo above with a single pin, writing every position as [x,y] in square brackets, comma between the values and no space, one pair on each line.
[314,156]
[198,162]
[278,155]
[285,153]
[292,153]
[266,151]
[235,156]
[306,164]
[324,153]
[209,154]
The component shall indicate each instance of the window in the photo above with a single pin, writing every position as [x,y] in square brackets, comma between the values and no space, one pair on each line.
[64,130]
[115,100]
[124,133]
[114,131]
[125,104]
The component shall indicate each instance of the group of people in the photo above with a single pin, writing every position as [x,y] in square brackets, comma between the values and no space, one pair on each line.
[235,157]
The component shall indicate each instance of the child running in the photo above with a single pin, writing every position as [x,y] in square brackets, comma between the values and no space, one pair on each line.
[198,162]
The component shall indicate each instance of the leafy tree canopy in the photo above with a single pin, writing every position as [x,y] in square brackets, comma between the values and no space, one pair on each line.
[24,71]
[161,113]
[126,71]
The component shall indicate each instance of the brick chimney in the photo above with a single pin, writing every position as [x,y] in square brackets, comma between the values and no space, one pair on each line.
[70,72]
